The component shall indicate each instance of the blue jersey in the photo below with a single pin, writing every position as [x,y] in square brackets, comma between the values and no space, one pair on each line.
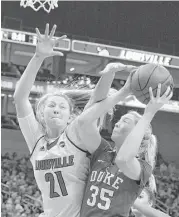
[110,193]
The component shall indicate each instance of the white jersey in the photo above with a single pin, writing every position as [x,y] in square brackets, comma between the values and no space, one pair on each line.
[60,171]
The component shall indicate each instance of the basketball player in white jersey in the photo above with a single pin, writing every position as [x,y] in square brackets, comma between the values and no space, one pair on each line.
[59,158]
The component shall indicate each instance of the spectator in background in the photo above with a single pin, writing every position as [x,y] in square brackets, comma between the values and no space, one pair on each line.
[12,68]
[163,169]
[171,168]
[8,123]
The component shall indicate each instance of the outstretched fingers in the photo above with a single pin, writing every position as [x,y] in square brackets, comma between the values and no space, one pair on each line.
[151,93]
[170,95]
[60,38]
[167,93]
[52,33]
[39,36]
[47,30]
[158,91]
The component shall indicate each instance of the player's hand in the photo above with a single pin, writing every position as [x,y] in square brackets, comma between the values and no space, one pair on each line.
[116,67]
[157,102]
[127,86]
[46,43]
[136,203]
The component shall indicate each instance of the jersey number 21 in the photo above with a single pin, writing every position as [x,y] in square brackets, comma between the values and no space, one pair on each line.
[49,177]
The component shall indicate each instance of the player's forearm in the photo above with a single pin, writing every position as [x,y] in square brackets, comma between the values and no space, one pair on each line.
[103,86]
[149,211]
[27,80]
[130,146]
[98,109]
[101,90]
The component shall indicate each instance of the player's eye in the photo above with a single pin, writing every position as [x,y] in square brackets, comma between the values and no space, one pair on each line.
[62,107]
[126,120]
[51,105]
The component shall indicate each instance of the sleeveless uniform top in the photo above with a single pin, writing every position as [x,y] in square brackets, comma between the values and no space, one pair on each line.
[60,171]
[110,193]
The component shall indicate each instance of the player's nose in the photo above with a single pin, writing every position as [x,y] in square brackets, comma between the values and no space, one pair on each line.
[56,110]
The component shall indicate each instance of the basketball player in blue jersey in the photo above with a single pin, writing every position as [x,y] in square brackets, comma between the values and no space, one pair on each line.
[58,156]
[120,171]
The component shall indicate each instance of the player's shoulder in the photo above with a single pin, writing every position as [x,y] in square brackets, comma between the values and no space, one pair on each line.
[106,145]
[103,148]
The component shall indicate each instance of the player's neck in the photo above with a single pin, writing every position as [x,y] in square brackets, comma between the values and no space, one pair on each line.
[118,143]
[55,133]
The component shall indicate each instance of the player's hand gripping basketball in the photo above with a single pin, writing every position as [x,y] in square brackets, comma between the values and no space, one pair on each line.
[127,86]
[157,102]
[46,43]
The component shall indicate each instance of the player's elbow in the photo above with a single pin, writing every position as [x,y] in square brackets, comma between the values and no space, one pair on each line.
[122,163]
[16,97]
[123,159]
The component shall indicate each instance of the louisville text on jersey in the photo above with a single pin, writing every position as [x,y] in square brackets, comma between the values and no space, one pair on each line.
[54,163]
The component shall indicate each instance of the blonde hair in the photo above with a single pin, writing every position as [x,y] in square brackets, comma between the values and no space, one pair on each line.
[152,184]
[151,189]
[148,148]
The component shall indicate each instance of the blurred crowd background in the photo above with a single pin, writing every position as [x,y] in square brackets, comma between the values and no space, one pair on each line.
[21,196]
[108,24]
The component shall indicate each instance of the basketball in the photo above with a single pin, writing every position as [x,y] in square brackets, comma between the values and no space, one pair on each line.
[150,75]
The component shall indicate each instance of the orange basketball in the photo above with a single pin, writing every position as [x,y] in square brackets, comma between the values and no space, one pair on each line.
[150,75]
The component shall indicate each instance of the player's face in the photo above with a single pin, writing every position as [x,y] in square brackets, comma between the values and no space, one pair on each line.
[144,199]
[123,127]
[56,112]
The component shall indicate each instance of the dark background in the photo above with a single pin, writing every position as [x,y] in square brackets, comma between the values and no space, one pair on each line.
[138,23]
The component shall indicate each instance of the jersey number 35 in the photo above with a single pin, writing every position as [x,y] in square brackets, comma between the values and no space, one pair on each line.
[103,194]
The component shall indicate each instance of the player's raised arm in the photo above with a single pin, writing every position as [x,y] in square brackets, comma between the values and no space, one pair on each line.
[44,49]
[101,108]
[27,121]
[148,211]
[126,157]
[104,84]
[86,124]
